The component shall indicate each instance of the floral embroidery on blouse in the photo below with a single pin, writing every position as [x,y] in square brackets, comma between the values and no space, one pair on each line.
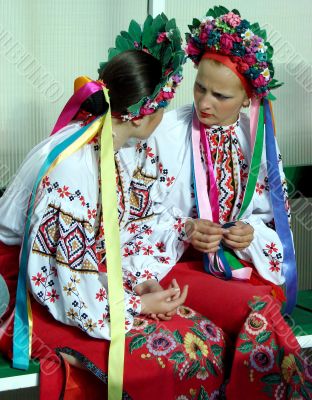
[274,255]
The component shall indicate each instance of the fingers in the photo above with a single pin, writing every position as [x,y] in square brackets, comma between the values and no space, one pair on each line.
[241,229]
[174,285]
[235,245]
[206,247]
[167,294]
[164,317]
[207,235]
[178,302]
[209,228]
[239,239]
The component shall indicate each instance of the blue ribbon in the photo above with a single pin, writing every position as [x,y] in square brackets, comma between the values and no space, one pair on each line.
[280,215]
[21,323]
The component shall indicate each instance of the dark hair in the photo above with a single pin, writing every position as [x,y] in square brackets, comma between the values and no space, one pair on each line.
[129,76]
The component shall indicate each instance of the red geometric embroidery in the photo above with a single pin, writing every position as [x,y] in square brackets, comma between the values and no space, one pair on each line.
[71,241]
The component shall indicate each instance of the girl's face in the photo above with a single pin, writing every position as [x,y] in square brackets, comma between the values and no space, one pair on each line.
[218,94]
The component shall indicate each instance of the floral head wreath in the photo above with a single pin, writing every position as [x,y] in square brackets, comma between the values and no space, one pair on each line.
[225,33]
[162,39]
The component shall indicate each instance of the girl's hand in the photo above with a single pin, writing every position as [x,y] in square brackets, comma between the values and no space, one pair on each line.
[149,286]
[168,316]
[163,302]
[239,237]
[204,235]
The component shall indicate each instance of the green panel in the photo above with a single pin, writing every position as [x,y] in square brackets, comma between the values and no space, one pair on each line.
[305,299]
[6,369]
[303,322]
[298,178]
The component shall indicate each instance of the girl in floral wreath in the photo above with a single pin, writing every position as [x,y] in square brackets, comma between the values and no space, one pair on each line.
[65,230]
[238,189]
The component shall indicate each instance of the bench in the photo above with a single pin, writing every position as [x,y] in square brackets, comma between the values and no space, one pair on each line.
[14,379]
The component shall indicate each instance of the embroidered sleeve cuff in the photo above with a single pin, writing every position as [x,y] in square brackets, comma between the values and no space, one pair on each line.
[133,305]
[183,229]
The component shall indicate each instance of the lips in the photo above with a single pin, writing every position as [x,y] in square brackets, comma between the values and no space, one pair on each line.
[205,115]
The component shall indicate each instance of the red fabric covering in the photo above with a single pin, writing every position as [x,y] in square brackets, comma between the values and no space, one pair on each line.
[264,364]
[138,380]
[9,261]
[215,298]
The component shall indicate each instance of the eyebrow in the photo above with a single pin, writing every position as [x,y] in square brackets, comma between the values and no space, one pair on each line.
[214,92]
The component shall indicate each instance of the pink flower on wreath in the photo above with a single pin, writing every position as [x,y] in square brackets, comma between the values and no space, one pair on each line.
[260,81]
[192,50]
[145,110]
[232,19]
[242,66]
[250,59]
[160,97]
[167,95]
[162,37]
[203,36]
[226,43]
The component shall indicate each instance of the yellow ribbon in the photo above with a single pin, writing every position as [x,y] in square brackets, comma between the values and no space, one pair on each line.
[113,260]
[112,243]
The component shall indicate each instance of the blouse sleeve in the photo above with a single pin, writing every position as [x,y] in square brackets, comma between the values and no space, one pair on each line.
[14,202]
[65,270]
[159,240]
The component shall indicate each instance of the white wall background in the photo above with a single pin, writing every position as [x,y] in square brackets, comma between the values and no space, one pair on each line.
[44,46]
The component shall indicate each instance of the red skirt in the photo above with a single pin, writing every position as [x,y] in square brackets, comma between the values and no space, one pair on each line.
[185,358]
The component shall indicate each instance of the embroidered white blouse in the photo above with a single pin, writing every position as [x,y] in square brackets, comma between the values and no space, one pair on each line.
[66,264]
[66,267]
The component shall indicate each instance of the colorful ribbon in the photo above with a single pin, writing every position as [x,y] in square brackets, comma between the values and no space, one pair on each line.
[22,317]
[280,215]
[223,263]
[74,103]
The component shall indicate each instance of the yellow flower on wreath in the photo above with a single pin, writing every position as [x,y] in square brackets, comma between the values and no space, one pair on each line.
[194,346]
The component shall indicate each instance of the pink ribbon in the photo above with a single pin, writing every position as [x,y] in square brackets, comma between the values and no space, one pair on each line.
[74,103]
[213,191]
